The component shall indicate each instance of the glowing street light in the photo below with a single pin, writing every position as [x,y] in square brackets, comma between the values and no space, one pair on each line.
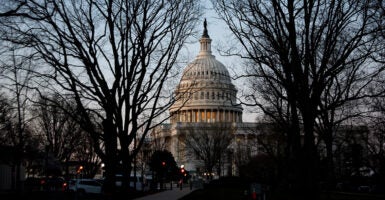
[80,169]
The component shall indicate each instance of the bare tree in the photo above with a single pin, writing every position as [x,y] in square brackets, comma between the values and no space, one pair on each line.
[335,110]
[62,136]
[114,58]
[11,8]
[296,49]
[376,143]
[6,126]
[208,142]
[15,69]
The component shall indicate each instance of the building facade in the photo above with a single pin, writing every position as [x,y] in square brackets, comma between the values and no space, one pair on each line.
[205,105]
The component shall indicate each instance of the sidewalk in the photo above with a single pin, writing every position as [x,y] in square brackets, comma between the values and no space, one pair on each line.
[173,194]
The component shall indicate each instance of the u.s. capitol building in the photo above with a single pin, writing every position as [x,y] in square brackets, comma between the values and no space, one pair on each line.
[206,118]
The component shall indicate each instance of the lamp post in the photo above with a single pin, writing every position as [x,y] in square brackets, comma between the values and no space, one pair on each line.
[163,174]
[182,171]
[102,168]
[78,171]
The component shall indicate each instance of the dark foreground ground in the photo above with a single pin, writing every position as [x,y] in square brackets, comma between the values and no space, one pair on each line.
[236,194]
[232,188]
[229,188]
[59,195]
[199,194]
[233,194]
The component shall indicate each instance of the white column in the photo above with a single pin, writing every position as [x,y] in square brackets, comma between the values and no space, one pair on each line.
[205,115]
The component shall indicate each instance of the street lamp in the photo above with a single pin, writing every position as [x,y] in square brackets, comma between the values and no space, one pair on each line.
[102,168]
[79,169]
[79,172]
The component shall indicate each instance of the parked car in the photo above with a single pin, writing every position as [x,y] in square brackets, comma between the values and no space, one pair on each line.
[138,180]
[85,186]
[52,184]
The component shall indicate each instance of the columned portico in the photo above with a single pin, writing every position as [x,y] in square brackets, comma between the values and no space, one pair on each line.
[207,115]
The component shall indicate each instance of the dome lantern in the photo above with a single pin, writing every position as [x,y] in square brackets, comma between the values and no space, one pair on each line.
[205,42]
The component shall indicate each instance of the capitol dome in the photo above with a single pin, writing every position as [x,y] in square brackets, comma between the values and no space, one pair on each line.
[205,92]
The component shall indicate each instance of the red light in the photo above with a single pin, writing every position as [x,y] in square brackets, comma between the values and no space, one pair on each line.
[64,187]
[163,163]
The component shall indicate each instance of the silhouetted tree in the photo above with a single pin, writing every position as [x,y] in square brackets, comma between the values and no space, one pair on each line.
[62,135]
[9,140]
[376,142]
[261,167]
[6,115]
[163,164]
[208,143]
[294,51]
[113,58]
[11,8]
[15,74]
